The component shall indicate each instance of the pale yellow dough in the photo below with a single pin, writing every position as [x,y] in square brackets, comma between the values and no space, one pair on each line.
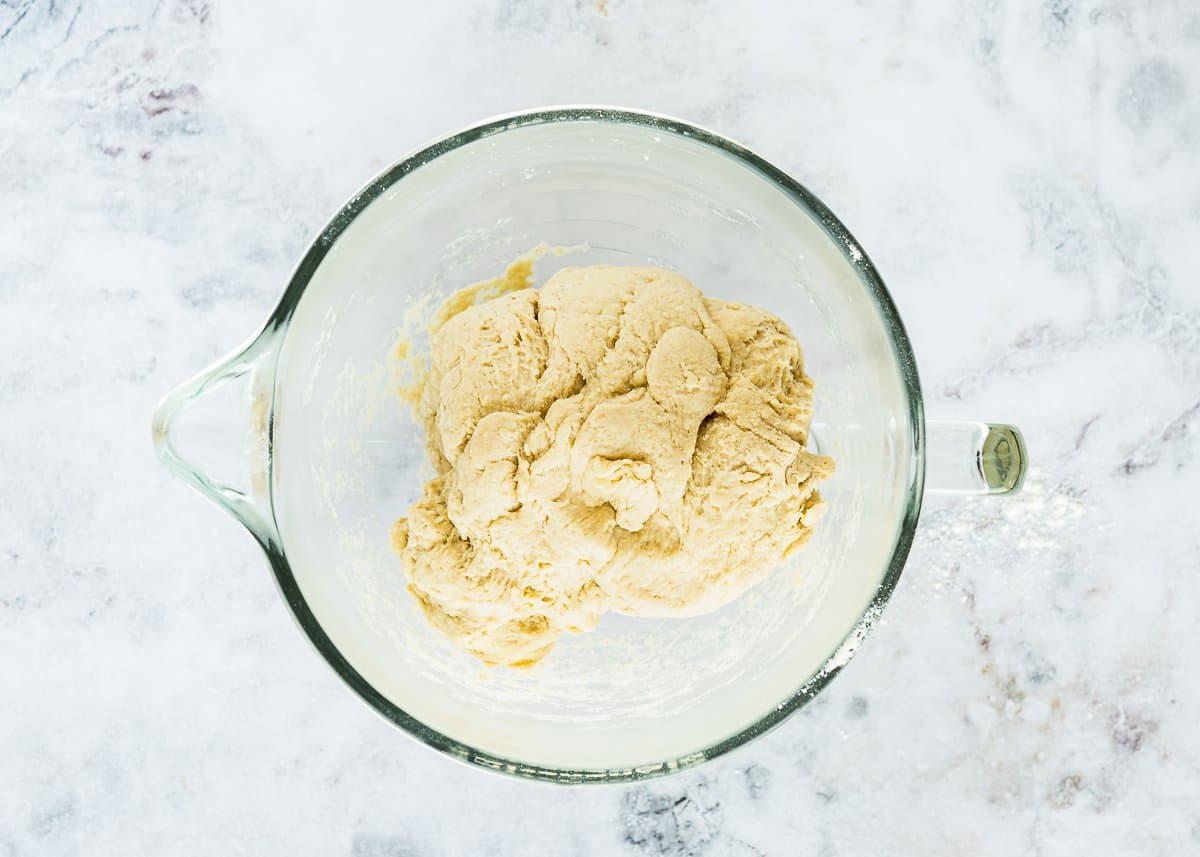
[611,441]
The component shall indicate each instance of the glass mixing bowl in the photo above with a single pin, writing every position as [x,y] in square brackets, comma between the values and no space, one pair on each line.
[322,456]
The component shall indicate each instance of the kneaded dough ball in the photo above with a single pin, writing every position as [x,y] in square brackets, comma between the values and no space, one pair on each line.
[612,441]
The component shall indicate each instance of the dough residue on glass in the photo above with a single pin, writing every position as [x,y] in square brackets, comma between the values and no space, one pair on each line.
[611,441]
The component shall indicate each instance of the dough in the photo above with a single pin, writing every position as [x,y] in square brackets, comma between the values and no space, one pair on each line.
[612,441]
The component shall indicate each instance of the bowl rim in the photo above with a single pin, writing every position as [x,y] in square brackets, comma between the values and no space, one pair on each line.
[902,351]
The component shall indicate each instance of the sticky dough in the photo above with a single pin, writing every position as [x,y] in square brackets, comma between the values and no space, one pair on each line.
[611,441]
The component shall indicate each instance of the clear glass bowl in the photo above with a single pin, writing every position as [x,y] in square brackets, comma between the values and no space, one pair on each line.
[333,457]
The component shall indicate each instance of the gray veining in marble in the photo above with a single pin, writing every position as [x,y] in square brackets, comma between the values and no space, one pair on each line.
[1025,175]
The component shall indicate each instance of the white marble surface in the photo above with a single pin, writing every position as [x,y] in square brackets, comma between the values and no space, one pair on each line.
[1024,174]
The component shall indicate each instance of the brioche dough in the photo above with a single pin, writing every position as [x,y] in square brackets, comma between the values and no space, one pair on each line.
[611,441]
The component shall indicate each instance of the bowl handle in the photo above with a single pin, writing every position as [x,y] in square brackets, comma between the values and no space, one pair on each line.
[218,425]
[974,458]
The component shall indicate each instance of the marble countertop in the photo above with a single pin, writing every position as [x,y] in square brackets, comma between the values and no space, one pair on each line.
[1026,178]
